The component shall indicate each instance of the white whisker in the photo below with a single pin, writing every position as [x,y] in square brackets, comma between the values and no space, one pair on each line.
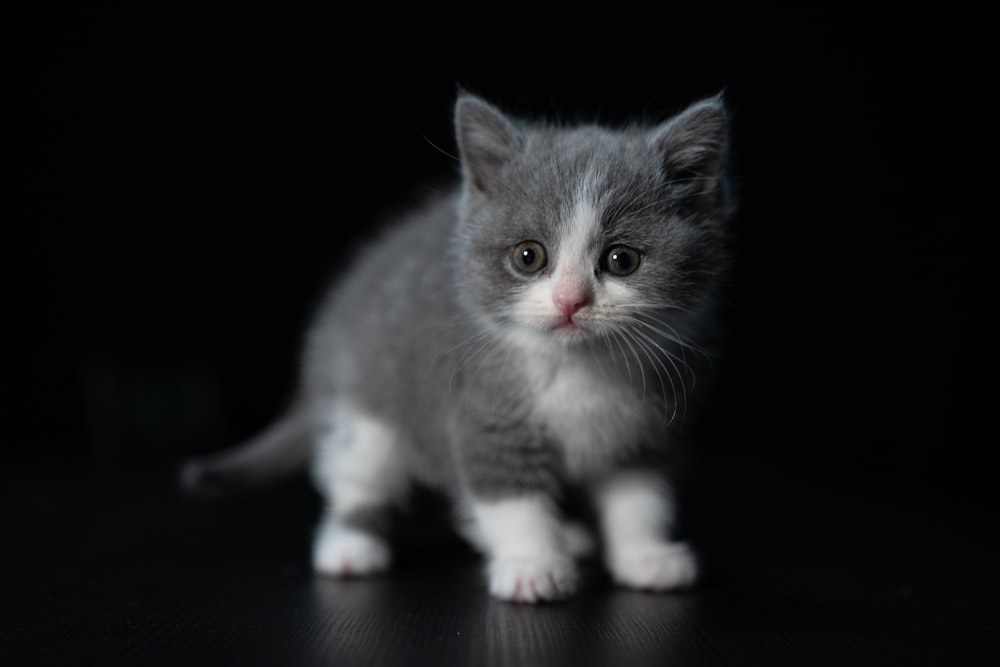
[656,365]
[670,358]
[475,346]
[673,335]
[619,337]
[659,325]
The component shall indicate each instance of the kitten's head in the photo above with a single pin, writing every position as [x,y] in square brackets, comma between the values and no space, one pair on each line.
[579,234]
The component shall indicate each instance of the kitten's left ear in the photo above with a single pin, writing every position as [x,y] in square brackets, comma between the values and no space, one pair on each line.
[693,146]
[487,140]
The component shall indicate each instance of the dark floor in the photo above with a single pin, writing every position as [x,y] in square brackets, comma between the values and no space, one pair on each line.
[802,569]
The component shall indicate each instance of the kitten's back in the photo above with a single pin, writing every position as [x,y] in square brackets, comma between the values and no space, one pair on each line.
[386,338]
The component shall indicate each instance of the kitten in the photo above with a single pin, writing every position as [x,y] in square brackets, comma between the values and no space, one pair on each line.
[531,331]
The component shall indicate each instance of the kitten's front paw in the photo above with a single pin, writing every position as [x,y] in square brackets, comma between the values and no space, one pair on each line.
[534,579]
[657,566]
[350,553]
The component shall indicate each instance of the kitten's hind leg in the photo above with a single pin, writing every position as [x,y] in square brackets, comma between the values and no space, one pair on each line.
[635,512]
[359,472]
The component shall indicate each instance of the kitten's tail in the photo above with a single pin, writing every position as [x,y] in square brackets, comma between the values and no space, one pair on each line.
[282,449]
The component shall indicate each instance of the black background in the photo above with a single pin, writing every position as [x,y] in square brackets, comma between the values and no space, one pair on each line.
[189,179]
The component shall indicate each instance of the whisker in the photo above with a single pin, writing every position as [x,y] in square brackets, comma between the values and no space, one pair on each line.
[670,359]
[674,337]
[628,368]
[619,337]
[682,359]
[597,360]
[656,366]
[673,359]
[476,346]
[662,327]
[503,365]
[441,150]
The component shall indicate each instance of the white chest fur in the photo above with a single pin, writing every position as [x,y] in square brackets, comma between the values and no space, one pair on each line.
[595,417]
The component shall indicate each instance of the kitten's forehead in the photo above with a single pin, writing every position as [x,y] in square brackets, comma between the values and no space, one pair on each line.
[581,220]
[591,153]
[573,190]
[608,177]
[590,169]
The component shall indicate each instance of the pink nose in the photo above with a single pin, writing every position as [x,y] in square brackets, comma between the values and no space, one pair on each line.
[570,301]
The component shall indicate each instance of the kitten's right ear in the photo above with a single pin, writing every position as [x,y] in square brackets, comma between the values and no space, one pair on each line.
[487,140]
[693,146]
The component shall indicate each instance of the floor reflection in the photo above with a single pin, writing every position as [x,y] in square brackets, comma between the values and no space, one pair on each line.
[439,613]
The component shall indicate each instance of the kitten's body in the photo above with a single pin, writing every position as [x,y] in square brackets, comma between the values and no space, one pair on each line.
[455,355]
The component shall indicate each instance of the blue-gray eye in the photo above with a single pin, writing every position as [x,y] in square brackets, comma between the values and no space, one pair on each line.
[529,257]
[621,260]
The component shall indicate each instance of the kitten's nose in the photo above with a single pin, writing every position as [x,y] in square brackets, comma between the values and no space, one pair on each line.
[568,301]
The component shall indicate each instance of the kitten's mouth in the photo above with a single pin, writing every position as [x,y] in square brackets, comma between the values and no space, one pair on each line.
[569,328]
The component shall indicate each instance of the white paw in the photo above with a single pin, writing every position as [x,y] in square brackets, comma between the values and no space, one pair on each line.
[656,566]
[341,552]
[534,579]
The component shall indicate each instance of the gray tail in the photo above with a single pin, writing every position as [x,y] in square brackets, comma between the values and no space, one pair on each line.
[281,450]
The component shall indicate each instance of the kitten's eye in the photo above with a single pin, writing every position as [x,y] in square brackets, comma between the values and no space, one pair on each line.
[529,257]
[621,260]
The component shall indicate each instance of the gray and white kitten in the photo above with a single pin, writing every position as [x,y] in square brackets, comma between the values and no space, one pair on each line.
[529,332]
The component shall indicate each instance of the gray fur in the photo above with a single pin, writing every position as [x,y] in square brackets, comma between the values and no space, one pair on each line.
[422,332]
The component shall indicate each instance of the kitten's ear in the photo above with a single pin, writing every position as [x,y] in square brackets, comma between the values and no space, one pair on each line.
[693,146]
[487,140]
